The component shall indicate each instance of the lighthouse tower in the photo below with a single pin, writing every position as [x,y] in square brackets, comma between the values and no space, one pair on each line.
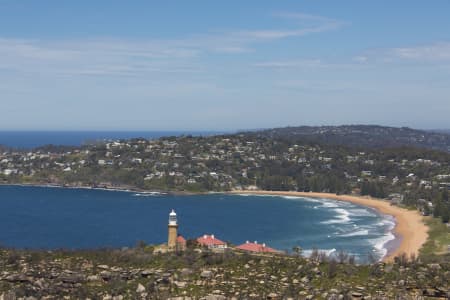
[173,228]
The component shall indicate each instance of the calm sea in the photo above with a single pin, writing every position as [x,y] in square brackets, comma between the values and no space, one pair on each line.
[32,139]
[42,217]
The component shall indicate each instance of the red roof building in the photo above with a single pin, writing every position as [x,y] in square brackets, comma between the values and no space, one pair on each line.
[255,247]
[181,242]
[211,241]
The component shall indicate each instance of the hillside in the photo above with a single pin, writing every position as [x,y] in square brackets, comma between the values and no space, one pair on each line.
[364,136]
[201,274]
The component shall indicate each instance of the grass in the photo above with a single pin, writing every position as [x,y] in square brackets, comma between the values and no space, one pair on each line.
[438,239]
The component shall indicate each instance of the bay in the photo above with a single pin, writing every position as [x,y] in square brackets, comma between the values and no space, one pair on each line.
[49,218]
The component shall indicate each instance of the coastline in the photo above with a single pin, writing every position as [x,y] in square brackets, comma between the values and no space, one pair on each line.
[410,230]
[117,188]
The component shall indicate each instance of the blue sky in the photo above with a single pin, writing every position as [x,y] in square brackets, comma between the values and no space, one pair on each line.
[220,65]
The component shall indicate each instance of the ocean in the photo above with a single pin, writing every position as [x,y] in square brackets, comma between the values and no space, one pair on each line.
[49,218]
[32,139]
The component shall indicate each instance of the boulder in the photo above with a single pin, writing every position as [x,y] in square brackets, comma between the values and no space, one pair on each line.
[72,278]
[140,288]
[206,274]
[147,273]
[8,296]
[272,296]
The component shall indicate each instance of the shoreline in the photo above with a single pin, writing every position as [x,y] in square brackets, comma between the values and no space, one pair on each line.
[410,230]
[128,189]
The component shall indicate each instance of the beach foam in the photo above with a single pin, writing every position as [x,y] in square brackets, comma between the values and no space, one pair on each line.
[308,252]
[361,212]
[356,233]
[150,194]
[341,218]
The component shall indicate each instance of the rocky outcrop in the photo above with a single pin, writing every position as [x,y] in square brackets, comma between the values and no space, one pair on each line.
[134,274]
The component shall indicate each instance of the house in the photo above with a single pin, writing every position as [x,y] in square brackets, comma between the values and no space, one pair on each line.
[255,247]
[396,198]
[181,243]
[211,242]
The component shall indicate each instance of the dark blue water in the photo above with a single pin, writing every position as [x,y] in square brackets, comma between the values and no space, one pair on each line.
[39,217]
[32,139]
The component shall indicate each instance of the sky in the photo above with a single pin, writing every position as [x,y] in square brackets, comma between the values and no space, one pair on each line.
[223,65]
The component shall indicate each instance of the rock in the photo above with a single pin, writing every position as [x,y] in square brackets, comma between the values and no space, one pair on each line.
[357,295]
[434,267]
[180,284]
[140,288]
[8,296]
[147,273]
[17,278]
[72,278]
[272,296]
[214,297]
[103,267]
[93,278]
[106,275]
[119,297]
[40,283]
[126,275]
[206,274]
[186,272]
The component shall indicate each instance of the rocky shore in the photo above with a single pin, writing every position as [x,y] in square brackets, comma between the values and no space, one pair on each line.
[201,274]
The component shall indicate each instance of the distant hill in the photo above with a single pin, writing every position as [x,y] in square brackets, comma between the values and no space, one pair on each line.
[447,131]
[364,136]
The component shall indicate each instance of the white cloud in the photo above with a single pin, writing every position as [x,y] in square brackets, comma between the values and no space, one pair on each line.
[233,50]
[433,52]
[125,57]
[322,85]
[360,59]
[306,64]
[290,64]
[298,16]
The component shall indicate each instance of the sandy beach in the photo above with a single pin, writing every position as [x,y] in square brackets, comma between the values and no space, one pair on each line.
[410,227]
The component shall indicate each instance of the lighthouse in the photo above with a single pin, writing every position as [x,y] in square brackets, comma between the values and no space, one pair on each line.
[173,228]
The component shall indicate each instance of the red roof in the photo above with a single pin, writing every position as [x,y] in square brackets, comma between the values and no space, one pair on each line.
[255,247]
[210,240]
[181,240]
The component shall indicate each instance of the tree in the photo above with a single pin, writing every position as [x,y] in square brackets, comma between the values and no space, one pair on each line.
[297,250]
